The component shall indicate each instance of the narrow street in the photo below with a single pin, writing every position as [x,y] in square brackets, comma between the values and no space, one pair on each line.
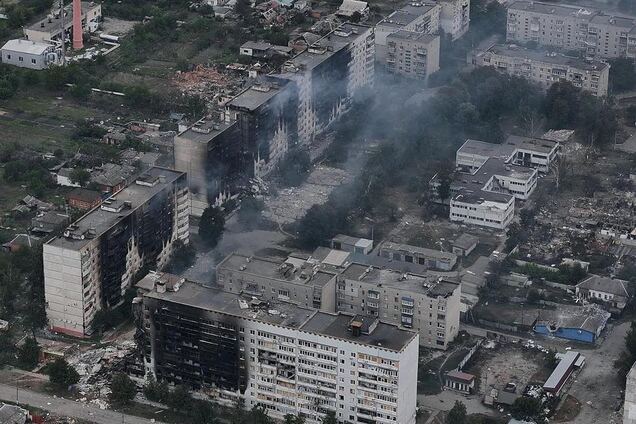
[67,408]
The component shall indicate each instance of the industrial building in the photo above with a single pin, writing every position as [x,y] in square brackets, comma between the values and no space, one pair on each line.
[284,357]
[421,18]
[30,54]
[50,28]
[412,54]
[581,323]
[93,263]
[571,27]
[546,67]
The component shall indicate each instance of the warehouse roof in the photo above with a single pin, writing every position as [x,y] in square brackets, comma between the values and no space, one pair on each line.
[26,46]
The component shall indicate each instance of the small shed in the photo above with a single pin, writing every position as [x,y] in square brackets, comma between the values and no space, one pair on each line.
[460,381]
[561,373]
[465,244]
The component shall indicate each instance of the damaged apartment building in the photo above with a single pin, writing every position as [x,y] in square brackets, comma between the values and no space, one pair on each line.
[427,304]
[282,111]
[285,357]
[492,176]
[93,263]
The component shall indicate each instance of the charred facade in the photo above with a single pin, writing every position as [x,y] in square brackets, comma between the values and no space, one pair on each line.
[93,263]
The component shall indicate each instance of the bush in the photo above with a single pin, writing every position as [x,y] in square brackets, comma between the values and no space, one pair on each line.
[122,390]
[62,375]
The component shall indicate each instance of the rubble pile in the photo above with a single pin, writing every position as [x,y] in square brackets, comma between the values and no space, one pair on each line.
[203,81]
[96,366]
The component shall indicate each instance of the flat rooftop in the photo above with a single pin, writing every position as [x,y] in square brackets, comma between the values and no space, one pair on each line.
[547,56]
[53,24]
[99,220]
[324,48]
[483,148]
[288,315]
[413,36]
[538,145]
[403,281]
[406,15]
[431,253]
[255,96]
[205,130]
[275,269]
[553,9]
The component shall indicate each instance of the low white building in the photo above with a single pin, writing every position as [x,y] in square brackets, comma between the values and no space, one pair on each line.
[30,54]
[349,8]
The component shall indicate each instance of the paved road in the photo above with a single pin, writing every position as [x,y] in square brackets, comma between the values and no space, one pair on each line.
[596,386]
[68,408]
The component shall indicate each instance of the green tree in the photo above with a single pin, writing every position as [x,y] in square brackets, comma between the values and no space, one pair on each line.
[156,391]
[183,256]
[211,226]
[122,390]
[61,374]
[80,176]
[28,354]
[622,76]
[457,414]
[179,399]
[526,408]
[249,214]
[203,412]
[293,419]
[330,418]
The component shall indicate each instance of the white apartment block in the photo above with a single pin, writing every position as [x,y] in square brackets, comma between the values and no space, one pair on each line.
[412,54]
[571,27]
[455,17]
[93,263]
[427,305]
[546,68]
[293,281]
[483,208]
[421,18]
[288,359]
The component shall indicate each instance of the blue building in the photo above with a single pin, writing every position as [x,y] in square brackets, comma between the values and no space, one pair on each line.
[576,323]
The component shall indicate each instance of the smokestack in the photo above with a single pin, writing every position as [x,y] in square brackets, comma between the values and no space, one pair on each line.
[78,36]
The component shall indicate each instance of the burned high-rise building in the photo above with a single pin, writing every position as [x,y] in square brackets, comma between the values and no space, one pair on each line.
[284,357]
[92,264]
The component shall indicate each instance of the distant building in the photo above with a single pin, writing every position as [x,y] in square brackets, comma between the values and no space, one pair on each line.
[83,199]
[571,27]
[455,17]
[263,50]
[349,8]
[460,381]
[422,18]
[112,177]
[30,54]
[546,68]
[63,178]
[285,357]
[412,54]
[48,222]
[430,258]
[50,28]
[90,266]
[20,241]
[614,293]
[581,324]
[352,244]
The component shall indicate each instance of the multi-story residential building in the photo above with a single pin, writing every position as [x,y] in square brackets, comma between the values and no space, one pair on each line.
[429,305]
[571,27]
[546,68]
[212,156]
[93,263]
[430,258]
[292,281]
[286,358]
[422,18]
[328,74]
[50,28]
[455,17]
[412,54]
